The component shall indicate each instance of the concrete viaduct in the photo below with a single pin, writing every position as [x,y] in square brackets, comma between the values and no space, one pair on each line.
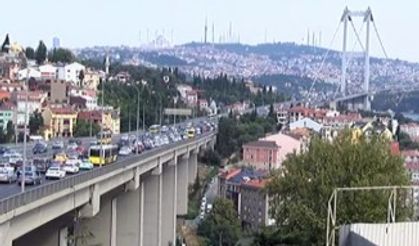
[131,202]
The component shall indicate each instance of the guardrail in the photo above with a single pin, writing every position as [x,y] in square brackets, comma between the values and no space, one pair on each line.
[31,195]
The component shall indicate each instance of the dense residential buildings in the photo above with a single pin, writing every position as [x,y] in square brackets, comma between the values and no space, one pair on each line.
[261,154]
[411,129]
[244,187]
[7,114]
[71,72]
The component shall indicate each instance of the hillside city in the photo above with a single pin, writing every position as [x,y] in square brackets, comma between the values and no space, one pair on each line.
[204,144]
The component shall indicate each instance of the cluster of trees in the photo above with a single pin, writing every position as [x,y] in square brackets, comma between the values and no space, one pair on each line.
[84,128]
[227,91]
[56,55]
[222,225]
[300,195]
[7,135]
[234,132]
[155,95]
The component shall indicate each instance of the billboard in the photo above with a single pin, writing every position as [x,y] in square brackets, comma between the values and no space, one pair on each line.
[178,111]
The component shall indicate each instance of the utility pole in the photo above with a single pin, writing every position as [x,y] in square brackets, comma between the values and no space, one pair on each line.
[102,152]
[22,181]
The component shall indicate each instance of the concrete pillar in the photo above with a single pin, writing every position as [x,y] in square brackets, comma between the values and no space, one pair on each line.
[169,203]
[151,224]
[4,231]
[193,167]
[92,208]
[128,217]
[182,185]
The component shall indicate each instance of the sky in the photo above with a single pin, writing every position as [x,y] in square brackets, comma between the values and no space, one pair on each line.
[82,23]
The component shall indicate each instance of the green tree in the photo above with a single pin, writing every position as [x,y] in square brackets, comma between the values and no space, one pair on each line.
[221,226]
[2,136]
[41,53]
[35,122]
[5,47]
[10,131]
[83,128]
[300,194]
[30,53]
[61,55]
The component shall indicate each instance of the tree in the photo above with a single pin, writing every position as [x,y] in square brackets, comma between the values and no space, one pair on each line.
[2,136]
[221,226]
[30,53]
[10,131]
[83,128]
[41,53]
[5,47]
[61,55]
[300,194]
[35,122]
[81,77]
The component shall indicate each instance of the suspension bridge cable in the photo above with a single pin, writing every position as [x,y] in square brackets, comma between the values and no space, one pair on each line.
[357,36]
[322,63]
[379,39]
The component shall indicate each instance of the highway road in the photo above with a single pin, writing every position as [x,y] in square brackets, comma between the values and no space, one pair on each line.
[7,190]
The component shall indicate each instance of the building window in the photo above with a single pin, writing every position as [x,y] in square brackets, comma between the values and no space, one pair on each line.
[66,122]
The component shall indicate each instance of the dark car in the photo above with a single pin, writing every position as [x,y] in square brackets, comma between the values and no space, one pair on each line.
[41,164]
[3,150]
[39,148]
[31,177]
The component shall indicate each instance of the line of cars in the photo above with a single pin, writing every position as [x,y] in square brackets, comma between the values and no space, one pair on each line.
[158,136]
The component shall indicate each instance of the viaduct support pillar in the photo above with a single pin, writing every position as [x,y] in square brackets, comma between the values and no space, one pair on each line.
[193,166]
[151,222]
[169,209]
[182,185]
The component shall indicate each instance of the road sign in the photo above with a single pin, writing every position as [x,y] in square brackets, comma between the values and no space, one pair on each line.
[178,111]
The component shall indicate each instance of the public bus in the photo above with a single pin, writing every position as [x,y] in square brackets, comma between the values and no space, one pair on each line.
[191,132]
[154,129]
[109,154]
[105,137]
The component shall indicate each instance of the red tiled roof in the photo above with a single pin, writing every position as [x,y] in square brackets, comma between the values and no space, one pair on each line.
[62,110]
[230,173]
[88,115]
[256,183]
[261,143]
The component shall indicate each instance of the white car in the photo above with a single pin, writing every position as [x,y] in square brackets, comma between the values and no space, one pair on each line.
[73,161]
[71,168]
[125,151]
[13,157]
[85,165]
[55,172]
[7,167]
[8,176]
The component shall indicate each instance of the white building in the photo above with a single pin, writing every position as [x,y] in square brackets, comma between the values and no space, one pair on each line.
[33,73]
[48,71]
[71,73]
[306,123]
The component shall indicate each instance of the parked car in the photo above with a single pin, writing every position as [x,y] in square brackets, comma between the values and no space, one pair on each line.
[85,165]
[41,164]
[73,161]
[39,148]
[6,166]
[3,150]
[71,168]
[57,144]
[125,151]
[55,172]
[60,157]
[31,177]
[13,157]
[8,176]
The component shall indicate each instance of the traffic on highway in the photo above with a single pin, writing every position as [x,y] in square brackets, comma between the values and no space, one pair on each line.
[58,159]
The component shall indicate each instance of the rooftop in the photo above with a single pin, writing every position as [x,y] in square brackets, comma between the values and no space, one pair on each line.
[262,144]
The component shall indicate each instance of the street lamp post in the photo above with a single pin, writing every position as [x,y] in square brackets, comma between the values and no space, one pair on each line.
[22,181]
[102,152]
[138,118]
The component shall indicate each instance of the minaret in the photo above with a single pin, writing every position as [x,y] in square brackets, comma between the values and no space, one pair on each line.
[205,31]
[213,33]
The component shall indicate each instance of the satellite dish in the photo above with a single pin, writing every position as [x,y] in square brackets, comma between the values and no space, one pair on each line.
[166,79]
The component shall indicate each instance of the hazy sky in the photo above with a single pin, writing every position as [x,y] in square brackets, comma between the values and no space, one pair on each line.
[80,23]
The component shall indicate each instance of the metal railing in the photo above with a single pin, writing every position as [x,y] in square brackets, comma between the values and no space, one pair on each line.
[20,199]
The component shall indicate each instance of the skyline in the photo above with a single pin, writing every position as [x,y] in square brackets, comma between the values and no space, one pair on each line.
[79,24]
